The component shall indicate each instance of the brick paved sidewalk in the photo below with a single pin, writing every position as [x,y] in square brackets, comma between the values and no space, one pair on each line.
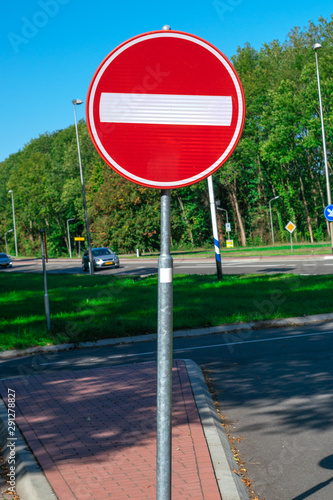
[94,433]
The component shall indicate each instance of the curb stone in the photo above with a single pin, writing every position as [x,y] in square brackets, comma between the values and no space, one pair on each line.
[230,484]
[30,483]
[234,327]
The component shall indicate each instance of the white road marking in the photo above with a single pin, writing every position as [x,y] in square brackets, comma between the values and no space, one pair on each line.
[225,344]
[283,264]
[185,266]
[287,337]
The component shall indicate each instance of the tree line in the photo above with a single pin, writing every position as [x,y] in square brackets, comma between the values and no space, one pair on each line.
[279,154]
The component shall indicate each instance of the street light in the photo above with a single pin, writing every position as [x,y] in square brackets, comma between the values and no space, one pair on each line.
[224,210]
[317,47]
[77,102]
[270,213]
[228,229]
[9,231]
[69,238]
[15,238]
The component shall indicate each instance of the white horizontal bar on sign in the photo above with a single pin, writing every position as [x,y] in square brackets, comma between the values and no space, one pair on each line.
[165,109]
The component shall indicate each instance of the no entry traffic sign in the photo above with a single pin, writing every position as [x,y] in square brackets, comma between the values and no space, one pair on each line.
[165,109]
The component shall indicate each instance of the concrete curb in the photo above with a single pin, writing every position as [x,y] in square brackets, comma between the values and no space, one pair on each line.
[230,484]
[30,483]
[234,327]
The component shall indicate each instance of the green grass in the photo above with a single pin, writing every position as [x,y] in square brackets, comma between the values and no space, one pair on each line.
[87,307]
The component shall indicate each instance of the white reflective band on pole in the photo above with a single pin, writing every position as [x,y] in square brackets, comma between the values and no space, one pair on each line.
[165,109]
[166,275]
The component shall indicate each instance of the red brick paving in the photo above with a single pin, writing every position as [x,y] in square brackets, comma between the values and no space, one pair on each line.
[94,433]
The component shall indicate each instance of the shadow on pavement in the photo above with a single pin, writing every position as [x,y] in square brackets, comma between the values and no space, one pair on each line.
[143,271]
[267,270]
[326,463]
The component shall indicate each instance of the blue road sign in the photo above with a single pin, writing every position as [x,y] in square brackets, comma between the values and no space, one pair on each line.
[328,212]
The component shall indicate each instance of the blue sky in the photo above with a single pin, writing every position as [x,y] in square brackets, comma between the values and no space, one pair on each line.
[50,49]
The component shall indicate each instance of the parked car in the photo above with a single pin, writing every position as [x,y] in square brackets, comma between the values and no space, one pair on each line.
[103,257]
[5,261]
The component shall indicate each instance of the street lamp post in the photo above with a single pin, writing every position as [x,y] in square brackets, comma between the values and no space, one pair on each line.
[5,235]
[69,238]
[77,102]
[15,238]
[224,210]
[317,47]
[46,295]
[270,213]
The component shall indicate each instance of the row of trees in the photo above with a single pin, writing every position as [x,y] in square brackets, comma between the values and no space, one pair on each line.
[279,154]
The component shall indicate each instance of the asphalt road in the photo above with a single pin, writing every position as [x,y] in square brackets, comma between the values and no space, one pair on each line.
[275,388]
[145,267]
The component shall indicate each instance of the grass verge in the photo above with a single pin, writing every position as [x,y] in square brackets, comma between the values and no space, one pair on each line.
[95,307]
[257,251]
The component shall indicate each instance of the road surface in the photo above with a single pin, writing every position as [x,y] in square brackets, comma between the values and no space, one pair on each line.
[144,267]
[275,388]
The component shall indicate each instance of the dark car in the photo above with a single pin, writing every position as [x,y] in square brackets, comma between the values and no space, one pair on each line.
[5,261]
[103,257]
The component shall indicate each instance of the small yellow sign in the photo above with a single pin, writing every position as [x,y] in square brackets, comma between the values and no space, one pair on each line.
[290,227]
[230,243]
[79,238]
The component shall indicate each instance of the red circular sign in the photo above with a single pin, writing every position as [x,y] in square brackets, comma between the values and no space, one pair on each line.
[165,109]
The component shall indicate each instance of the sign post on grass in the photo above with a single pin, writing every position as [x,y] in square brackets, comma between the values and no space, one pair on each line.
[165,110]
[291,228]
[79,239]
[46,295]
[215,228]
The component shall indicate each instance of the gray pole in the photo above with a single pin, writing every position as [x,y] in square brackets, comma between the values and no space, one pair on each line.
[316,47]
[226,211]
[91,261]
[164,355]
[15,238]
[46,296]
[291,242]
[215,230]
[270,212]
[5,235]
[69,238]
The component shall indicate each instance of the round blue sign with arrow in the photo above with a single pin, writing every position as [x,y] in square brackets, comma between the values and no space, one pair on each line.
[328,212]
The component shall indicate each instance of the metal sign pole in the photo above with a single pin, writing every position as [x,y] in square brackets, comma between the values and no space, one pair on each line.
[215,230]
[291,242]
[46,296]
[164,355]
